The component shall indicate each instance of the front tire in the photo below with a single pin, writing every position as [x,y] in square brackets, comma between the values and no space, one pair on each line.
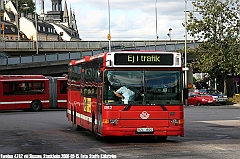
[198,103]
[36,105]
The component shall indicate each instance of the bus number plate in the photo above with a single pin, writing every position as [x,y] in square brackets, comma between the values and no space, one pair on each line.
[144,129]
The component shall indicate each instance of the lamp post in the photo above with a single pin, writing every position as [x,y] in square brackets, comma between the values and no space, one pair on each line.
[185,53]
[36,26]
[169,33]
[25,8]
[156,19]
[109,34]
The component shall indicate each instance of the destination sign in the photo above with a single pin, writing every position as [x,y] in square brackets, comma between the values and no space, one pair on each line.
[143,59]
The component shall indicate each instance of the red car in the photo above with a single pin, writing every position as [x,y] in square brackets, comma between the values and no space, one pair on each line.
[200,98]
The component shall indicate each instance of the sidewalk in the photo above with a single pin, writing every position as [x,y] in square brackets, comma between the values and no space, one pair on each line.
[234,106]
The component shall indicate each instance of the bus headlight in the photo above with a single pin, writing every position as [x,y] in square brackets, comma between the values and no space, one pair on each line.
[110,121]
[113,121]
[177,121]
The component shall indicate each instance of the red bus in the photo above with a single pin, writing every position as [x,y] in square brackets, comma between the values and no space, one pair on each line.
[34,92]
[156,105]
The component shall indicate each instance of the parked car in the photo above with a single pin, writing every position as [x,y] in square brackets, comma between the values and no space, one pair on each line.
[218,96]
[200,98]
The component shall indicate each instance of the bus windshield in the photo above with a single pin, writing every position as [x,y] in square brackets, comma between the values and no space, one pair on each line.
[150,87]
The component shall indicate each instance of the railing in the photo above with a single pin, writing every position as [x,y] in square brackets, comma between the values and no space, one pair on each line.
[76,55]
[65,46]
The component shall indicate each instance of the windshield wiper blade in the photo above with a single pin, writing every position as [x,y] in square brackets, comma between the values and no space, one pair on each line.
[163,107]
[127,106]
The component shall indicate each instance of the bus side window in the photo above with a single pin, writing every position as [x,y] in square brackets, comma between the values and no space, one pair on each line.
[63,87]
[42,87]
[11,87]
[30,87]
[6,89]
[22,86]
[88,75]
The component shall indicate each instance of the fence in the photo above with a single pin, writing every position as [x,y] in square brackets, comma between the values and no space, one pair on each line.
[76,55]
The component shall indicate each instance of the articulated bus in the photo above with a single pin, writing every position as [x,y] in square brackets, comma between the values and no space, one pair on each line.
[156,79]
[32,92]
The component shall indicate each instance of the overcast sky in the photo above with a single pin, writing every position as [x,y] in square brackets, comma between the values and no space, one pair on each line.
[129,19]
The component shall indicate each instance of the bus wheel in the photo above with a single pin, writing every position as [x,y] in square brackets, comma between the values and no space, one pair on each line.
[198,103]
[36,105]
[162,138]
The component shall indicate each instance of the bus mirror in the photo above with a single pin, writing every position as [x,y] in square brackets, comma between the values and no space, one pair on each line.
[99,74]
[185,93]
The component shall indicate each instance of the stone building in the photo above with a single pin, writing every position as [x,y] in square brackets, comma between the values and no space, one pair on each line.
[55,25]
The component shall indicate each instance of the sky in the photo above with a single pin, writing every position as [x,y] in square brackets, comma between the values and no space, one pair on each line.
[129,19]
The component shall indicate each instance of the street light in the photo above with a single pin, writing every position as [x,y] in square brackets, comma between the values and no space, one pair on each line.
[25,8]
[109,34]
[185,53]
[169,33]
[36,26]
[156,19]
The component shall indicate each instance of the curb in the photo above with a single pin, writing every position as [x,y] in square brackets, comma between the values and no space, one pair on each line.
[216,106]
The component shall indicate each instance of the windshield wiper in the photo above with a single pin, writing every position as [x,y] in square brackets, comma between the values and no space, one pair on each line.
[127,106]
[163,107]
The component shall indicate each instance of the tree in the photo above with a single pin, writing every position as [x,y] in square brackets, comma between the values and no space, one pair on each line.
[219,30]
[25,6]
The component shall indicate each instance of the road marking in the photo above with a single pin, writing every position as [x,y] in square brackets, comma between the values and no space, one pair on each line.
[102,150]
[222,122]
[219,148]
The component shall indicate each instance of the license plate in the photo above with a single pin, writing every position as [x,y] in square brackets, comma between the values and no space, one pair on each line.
[144,129]
[209,101]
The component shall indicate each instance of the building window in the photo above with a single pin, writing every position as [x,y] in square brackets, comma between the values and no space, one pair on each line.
[13,29]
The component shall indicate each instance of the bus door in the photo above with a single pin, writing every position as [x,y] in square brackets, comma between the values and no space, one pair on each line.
[99,108]
[52,92]
[61,93]
[8,98]
[99,101]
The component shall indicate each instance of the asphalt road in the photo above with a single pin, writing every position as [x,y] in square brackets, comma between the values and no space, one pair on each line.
[211,132]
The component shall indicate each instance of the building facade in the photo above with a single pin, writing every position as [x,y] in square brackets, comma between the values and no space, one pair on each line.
[55,25]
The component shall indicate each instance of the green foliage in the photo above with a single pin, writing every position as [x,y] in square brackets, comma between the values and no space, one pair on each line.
[25,6]
[218,29]
[235,99]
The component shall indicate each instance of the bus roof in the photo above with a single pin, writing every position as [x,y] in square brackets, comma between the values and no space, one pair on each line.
[135,58]
[22,76]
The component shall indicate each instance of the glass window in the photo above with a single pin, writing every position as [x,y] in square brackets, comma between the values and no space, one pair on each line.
[22,88]
[8,88]
[149,87]
[63,87]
